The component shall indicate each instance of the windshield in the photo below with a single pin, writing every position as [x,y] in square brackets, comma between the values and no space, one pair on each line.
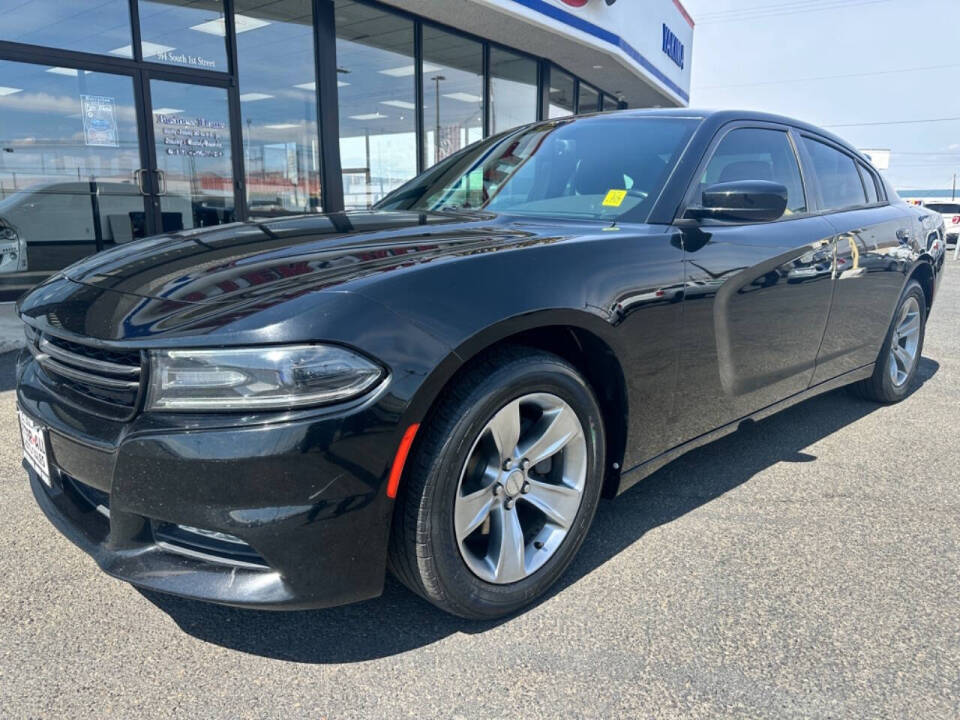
[596,168]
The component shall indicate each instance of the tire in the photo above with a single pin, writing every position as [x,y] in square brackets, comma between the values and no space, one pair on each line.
[454,470]
[892,379]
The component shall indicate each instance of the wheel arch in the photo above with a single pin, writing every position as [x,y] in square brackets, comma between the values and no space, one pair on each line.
[923,273]
[583,339]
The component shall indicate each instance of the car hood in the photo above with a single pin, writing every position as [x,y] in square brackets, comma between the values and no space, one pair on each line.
[254,282]
[231,263]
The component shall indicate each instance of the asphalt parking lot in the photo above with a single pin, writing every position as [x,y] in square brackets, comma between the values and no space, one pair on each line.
[806,566]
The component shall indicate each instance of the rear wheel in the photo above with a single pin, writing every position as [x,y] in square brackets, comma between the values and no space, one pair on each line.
[502,486]
[899,357]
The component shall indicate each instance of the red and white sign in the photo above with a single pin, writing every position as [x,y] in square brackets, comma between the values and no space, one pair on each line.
[34,446]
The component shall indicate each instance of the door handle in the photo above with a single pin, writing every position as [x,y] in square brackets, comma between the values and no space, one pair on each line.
[138,175]
[161,183]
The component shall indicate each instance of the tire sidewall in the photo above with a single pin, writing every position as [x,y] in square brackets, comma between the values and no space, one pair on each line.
[459,583]
[891,391]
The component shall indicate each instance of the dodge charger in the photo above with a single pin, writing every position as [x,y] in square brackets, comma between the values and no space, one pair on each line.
[277,413]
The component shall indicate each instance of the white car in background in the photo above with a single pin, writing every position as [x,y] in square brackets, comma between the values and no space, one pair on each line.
[949,210]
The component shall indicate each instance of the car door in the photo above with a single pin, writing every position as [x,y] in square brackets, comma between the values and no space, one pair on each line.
[757,296]
[872,256]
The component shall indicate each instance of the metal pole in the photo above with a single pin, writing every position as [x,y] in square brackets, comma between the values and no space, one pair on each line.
[436,134]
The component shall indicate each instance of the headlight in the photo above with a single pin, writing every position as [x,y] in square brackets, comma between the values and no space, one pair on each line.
[267,378]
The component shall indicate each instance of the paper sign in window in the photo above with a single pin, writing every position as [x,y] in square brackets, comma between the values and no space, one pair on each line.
[99,121]
[614,198]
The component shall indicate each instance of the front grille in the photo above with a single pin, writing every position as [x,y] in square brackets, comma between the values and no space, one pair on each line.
[107,382]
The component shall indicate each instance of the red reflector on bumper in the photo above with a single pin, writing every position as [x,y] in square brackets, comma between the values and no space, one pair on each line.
[399,459]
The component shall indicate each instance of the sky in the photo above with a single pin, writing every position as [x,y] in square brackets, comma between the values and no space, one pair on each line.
[900,61]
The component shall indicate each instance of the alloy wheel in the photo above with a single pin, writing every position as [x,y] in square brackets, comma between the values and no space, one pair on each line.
[520,488]
[905,342]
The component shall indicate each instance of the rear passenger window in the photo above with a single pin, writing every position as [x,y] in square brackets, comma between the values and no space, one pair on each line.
[870,183]
[757,154]
[840,184]
[944,208]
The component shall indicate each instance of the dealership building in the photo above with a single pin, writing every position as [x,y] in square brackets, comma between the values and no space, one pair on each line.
[126,118]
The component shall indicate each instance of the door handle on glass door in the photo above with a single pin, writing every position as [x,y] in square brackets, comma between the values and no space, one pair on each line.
[161,183]
[138,175]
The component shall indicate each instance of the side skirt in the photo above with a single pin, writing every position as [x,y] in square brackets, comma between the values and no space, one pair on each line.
[638,472]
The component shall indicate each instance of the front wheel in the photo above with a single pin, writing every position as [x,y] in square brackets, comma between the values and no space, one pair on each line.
[899,357]
[502,486]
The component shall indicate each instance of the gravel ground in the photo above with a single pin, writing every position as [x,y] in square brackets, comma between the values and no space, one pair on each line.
[806,566]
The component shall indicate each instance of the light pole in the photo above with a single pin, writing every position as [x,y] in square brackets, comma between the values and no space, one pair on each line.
[436,134]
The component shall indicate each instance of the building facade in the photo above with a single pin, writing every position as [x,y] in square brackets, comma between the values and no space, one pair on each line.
[126,118]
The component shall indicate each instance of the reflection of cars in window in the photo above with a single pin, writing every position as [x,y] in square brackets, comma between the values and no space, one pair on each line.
[272,413]
[13,248]
[64,211]
[47,226]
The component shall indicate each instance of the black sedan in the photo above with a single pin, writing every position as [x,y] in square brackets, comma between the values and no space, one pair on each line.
[274,413]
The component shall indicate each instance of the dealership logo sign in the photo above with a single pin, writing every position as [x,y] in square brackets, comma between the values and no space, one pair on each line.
[672,46]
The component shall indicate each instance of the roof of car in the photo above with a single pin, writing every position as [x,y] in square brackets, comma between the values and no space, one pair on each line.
[721,117]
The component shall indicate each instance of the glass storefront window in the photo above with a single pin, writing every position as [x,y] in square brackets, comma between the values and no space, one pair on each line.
[610,102]
[377,98]
[561,94]
[589,99]
[278,107]
[193,155]
[101,27]
[74,179]
[68,151]
[186,33]
[452,93]
[513,90]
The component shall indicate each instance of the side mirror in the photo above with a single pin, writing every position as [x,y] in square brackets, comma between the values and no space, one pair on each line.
[743,201]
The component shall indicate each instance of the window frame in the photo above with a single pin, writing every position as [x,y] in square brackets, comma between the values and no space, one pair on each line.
[488,86]
[878,183]
[689,196]
[864,175]
[882,199]
[596,108]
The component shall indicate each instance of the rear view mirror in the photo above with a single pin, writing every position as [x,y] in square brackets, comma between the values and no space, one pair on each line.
[742,201]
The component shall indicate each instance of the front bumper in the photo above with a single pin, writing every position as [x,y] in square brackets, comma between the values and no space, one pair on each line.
[305,495]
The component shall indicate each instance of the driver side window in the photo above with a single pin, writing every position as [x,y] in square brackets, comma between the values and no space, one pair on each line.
[757,154]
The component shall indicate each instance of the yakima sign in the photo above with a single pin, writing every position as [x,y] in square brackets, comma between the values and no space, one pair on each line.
[631,33]
[672,46]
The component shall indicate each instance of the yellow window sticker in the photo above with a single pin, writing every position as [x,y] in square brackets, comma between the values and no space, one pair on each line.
[614,198]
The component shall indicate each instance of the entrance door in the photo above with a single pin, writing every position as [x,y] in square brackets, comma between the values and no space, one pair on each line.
[190,172]
[70,143]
